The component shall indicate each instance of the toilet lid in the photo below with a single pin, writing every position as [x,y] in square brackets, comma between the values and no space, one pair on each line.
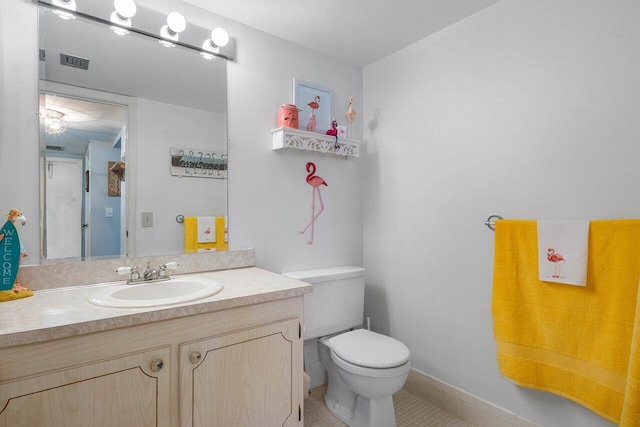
[369,349]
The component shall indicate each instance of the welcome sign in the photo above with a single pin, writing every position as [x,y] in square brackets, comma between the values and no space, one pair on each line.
[9,256]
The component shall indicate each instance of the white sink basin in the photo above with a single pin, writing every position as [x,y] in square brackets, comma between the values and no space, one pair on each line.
[173,291]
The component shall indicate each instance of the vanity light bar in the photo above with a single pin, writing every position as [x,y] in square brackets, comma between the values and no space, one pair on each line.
[130,29]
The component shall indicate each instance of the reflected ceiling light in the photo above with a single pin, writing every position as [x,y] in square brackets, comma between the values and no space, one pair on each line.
[175,25]
[66,4]
[209,47]
[54,122]
[125,9]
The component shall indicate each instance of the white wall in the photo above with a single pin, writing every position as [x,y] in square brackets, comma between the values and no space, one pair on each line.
[269,199]
[526,109]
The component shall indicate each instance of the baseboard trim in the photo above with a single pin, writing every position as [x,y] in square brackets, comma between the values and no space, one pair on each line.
[469,408]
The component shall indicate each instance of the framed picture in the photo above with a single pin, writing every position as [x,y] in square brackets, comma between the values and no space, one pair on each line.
[314,103]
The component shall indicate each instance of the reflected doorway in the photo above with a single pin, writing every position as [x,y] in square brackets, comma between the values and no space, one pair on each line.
[64,207]
[84,159]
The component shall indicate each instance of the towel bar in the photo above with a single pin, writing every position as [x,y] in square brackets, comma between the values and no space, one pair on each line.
[491,221]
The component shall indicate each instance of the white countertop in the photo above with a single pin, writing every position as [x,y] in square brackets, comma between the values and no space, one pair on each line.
[64,312]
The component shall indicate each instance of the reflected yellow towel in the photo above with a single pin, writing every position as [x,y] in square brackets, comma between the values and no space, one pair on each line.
[191,243]
[572,341]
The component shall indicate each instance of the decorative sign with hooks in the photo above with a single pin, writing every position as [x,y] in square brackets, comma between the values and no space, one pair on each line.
[198,163]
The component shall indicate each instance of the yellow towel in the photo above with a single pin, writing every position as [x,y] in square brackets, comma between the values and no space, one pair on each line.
[631,408]
[191,243]
[572,341]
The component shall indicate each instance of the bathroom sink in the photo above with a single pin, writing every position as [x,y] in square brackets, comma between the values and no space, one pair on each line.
[172,291]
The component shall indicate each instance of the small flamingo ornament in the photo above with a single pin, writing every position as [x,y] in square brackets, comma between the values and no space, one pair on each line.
[314,105]
[334,132]
[351,117]
[552,256]
[314,181]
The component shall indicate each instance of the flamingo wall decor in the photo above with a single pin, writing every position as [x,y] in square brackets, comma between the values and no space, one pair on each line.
[314,105]
[314,181]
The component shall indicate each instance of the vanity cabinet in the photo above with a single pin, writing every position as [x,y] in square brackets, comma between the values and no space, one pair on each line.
[234,367]
[131,390]
[248,378]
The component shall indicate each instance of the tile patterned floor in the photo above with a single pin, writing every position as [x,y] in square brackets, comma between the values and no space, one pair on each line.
[411,411]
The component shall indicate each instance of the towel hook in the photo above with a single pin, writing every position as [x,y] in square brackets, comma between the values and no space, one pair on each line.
[491,221]
[180,219]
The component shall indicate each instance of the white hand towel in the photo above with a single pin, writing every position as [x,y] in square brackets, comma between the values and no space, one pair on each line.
[562,251]
[206,229]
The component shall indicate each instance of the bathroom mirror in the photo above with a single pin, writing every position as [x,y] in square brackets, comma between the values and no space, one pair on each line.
[136,100]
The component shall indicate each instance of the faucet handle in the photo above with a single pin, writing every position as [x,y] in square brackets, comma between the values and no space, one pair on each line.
[135,275]
[162,269]
[171,265]
[124,270]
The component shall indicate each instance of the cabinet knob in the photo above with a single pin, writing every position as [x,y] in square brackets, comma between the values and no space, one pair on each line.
[195,357]
[156,365]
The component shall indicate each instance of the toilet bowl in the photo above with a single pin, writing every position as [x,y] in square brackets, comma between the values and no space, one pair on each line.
[365,369]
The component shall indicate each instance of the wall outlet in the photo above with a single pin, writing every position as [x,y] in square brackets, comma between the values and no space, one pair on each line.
[147,219]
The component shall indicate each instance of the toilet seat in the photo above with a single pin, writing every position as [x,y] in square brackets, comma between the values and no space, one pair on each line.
[367,349]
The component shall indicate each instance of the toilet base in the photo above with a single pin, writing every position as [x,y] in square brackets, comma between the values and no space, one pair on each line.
[337,410]
[374,413]
[379,413]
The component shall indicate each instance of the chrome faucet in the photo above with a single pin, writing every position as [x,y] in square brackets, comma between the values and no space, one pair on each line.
[149,275]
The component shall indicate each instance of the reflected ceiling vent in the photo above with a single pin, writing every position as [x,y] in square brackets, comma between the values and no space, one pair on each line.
[74,61]
[55,148]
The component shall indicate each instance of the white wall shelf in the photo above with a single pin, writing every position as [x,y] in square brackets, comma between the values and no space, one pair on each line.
[302,140]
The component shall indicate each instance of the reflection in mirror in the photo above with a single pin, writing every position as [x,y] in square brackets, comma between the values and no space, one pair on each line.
[126,101]
[85,152]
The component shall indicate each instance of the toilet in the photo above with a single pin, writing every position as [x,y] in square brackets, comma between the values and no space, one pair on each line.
[364,368]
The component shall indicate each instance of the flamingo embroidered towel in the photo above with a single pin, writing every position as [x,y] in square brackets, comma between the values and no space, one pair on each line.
[582,343]
[191,241]
[206,229]
[562,251]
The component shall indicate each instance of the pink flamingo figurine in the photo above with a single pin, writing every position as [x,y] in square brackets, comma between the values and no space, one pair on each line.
[351,117]
[334,132]
[552,256]
[315,182]
[315,104]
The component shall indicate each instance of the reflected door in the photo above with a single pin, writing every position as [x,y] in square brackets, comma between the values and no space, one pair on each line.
[63,207]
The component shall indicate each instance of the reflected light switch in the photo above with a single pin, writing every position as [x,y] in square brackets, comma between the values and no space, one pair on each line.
[147,219]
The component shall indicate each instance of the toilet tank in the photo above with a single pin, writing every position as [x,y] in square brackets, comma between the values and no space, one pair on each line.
[337,301]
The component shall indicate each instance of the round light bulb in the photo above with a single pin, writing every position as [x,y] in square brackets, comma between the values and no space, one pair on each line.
[166,33]
[176,22]
[219,37]
[125,8]
[67,4]
[117,19]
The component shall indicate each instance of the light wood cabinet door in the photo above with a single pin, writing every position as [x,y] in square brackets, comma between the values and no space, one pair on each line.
[247,378]
[133,390]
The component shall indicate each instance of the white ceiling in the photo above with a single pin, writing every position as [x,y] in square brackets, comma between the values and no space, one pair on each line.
[359,32]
